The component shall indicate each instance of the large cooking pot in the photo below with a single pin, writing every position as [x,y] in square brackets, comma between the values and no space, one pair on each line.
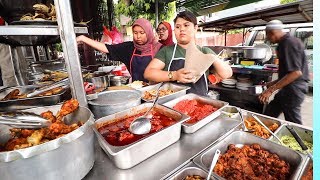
[68,157]
[110,102]
[254,53]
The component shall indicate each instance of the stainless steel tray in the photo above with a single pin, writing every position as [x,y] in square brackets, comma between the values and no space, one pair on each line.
[267,120]
[187,170]
[239,138]
[306,167]
[191,128]
[304,133]
[18,104]
[179,90]
[68,157]
[125,157]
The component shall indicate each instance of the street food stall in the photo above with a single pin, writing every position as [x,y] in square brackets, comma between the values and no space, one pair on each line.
[88,137]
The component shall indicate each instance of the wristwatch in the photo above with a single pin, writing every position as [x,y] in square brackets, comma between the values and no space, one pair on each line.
[170,75]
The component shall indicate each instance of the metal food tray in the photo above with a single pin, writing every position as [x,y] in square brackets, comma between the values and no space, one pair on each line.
[25,103]
[191,128]
[304,133]
[306,167]
[70,156]
[125,157]
[179,90]
[240,138]
[266,120]
[187,170]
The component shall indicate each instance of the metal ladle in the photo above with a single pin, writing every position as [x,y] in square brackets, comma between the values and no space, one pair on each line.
[142,124]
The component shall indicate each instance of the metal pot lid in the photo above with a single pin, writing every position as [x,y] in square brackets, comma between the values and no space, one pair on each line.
[116,97]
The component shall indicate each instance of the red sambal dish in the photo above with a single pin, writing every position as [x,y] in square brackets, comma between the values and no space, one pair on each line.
[195,109]
[117,133]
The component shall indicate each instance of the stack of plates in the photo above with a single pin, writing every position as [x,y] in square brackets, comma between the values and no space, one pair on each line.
[229,83]
[243,85]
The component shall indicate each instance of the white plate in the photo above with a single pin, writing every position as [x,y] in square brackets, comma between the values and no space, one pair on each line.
[229,81]
[242,88]
[228,86]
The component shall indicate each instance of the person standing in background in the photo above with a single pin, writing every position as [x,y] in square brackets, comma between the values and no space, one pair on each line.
[164,32]
[293,75]
[6,67]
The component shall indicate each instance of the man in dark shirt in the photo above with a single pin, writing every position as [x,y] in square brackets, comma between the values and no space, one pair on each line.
[293,75]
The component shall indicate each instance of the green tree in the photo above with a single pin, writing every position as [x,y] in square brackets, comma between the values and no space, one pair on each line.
[287,1]
[146,9]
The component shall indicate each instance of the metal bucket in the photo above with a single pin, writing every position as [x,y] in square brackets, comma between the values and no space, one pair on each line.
[255,53]
[110,102]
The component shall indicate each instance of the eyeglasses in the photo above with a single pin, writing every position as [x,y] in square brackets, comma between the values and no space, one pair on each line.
[161,29]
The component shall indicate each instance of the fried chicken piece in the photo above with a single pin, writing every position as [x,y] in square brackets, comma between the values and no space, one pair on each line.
[11,95]
[67,108]
[49,116]
[35,137]
[15,143]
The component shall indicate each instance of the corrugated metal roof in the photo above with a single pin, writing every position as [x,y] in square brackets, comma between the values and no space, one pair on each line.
[297,12]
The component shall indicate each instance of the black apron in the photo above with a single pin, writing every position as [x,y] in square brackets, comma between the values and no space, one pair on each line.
[138,64]
[200,87]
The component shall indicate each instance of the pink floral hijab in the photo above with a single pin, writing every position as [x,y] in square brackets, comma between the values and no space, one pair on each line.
[146,48]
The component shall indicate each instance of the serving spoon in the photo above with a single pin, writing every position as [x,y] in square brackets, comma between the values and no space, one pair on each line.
[142,124]
[213,163]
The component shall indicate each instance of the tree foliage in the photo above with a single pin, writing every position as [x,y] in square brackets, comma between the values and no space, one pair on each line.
[146,9]
[287,1]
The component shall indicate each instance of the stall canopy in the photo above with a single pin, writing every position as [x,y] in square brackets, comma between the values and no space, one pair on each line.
[204,7]
[297,12]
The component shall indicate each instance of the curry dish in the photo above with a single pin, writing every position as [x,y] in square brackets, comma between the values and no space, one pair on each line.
[117,133]
[251,162]
[23,138]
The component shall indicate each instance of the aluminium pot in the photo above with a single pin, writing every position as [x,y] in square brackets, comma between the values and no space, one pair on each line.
[254,53]
[110,102]
[68,157]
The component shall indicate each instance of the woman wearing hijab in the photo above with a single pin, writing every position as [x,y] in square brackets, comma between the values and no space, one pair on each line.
[164,31]
[136,54]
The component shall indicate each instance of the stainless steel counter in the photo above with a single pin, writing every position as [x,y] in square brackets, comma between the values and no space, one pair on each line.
[166,161]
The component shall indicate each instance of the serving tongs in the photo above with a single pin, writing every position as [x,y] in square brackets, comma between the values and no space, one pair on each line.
[262,124]
[25,120]
[299,140]
[38,91]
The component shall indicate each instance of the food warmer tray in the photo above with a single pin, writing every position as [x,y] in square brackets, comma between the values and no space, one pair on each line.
[25,103]
[179,90]
[191,128]
[304,132]
[189,169]
[125,157]
[305,168]
[295,159]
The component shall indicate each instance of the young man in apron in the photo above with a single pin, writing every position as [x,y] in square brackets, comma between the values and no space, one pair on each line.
[168,64]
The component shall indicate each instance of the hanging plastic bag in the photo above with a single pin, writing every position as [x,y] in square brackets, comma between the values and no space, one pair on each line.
[114,34]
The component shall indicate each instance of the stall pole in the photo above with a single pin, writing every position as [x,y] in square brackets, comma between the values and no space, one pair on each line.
[70,49]
[157,12]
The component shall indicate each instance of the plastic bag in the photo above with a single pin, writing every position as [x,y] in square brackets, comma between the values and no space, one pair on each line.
[114,35]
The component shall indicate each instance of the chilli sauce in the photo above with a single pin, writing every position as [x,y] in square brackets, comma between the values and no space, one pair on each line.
[117,133]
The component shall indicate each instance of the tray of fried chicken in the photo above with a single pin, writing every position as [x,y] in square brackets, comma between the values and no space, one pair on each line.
[246,156]
[15,98]
[68,122]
